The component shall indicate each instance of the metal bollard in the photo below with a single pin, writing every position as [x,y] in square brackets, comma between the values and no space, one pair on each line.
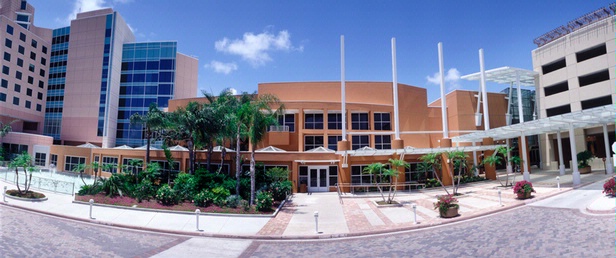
[197,213]
[558,182]
[91,204]
[500,199]
[414,213]
[316,222]
[4,193]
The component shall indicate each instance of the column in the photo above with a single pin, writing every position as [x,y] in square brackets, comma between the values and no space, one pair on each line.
[525,160]
[509,167]
[445,177]
[561,167]
[608,161]
[476,171]
[576,173]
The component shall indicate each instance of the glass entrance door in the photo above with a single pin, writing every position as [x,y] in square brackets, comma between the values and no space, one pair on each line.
[318,179]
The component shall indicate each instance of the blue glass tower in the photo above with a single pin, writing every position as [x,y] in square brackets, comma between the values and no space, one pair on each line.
[57,78]
[148,76]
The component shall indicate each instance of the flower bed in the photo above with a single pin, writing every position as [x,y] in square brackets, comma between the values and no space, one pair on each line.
[101,198]
[26,195]
[609,187]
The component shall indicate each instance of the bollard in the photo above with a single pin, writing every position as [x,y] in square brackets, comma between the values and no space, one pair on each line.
[91,204]
[4,193]
[197,213]
[558,182]
[414,213]
[316,222]
[500,199]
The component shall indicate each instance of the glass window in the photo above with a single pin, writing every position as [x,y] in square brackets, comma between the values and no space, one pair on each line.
[31,68]
[334,121]
[44,49]
[133,166]
[4,83]
[43,61]
[7,56]
[39,107]
[42,72]
[32,55]
[20,62]
[360,141]
[29,92]
[34,44]
[70,162]
[111,161]
[16,101]
[333,175]
[17,88]
[8,43]
[28,104]
[332,141]
[39,95]
[312,141]
[313,121]
[287,120]
[30,80]
[21,50]
[382,142]
[18,75]
[9,29]
[382,121]
[24,4]
[6,70]
[2,97]
[53,160]
[22,36]
[358,177]
[166,64]
[359,121]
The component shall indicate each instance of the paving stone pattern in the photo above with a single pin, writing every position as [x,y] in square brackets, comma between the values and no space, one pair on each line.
[524,232]
[26,234]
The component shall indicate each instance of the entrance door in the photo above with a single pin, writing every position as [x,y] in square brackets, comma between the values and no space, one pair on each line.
[318,179]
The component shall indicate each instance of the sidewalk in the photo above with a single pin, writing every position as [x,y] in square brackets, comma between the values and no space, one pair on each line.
[349,216]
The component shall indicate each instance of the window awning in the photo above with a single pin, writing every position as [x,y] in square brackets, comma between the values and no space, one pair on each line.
[410,150]
[579,119]
[505,75]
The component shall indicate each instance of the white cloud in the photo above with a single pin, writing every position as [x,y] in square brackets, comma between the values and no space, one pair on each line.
[220,67]
[232,91]
[452,79]
[255,48]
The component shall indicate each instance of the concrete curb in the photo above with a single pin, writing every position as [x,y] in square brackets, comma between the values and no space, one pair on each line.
[599,212]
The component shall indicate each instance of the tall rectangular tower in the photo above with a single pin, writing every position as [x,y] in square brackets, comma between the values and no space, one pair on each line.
[24,66]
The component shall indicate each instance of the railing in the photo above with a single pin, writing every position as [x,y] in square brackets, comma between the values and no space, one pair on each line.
[41,183]
[279,128]
[367,188]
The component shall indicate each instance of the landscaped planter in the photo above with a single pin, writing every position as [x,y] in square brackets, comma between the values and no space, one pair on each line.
[523,196]
[585,170]
[451,212]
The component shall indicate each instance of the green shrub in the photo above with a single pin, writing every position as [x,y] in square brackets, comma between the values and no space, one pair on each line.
[89,189]
[264,201]
[220,196]
[207,180]
[245,188]
[233,201]
[280,190]
[113,185]
[144,190]
[203,198]
[166,195]
[185,186]
[229,184]
[245,204]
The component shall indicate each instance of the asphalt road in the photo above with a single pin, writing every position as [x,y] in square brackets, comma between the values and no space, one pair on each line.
[529,231]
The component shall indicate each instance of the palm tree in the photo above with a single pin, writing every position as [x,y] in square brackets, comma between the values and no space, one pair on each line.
[23,161]
[153,120]
[376,170]
[4,130]
[434,161]
[456,157]
[260,117]
[240,119]
[423,166]
[393,174]
[184,124]
[494,160]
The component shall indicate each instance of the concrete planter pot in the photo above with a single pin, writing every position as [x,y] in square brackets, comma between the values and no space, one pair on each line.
[585,170]
[451,212]
[523,196]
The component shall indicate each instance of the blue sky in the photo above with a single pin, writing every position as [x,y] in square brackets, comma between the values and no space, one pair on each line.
[242,43]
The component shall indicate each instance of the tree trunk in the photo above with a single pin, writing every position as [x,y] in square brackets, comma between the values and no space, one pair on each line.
[17,179]
[210,148]
[252,176]
[223,153]
[148,136]
[439,180]
[238,161]
[29,183]
[191,158]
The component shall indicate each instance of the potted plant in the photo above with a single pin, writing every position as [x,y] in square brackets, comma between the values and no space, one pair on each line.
[583,158]
[447,206]
[523,189]
[609,187]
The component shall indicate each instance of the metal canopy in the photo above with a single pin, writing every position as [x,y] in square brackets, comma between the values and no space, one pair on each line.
[411,150]
[505,75]
[579,119]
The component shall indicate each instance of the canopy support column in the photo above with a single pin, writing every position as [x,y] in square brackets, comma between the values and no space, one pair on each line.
[484,92]
[608,161]
[525,157]
[509,167]
[576,173]
[560,154]
[475,171]
[520,109]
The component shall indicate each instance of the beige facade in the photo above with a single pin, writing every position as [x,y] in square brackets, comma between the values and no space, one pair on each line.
[576,72]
